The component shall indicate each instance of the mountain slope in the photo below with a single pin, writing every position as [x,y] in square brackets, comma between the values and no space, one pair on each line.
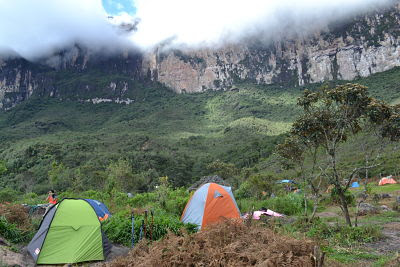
[160,133]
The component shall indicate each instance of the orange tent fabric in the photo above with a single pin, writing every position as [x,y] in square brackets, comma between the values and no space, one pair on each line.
[387,180]
[210,203]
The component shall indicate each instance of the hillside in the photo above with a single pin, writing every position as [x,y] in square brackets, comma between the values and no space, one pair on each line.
[159,134]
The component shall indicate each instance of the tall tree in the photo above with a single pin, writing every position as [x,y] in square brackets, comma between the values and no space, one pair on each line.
[332,117]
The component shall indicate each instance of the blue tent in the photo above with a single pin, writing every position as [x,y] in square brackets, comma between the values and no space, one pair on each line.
[355,185]
[101,210]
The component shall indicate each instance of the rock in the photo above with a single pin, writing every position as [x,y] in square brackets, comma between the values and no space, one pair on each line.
[398,200]
[383,196]
[3,242]
[362,195]
[366,45]
[385,208]
[10,258]
[366,208]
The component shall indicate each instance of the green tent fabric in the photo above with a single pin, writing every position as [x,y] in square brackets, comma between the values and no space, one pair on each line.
[72,235]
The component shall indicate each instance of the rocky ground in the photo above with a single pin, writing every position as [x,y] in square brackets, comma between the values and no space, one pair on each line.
[23,259]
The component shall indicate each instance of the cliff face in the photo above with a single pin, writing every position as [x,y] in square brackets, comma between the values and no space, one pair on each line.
[362,46]
[365,45]
[72,74]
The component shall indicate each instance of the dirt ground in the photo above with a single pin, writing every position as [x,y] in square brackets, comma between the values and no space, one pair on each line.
[391,241]
[23,259]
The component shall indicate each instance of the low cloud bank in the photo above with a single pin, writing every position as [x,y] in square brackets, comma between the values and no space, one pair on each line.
[33,29]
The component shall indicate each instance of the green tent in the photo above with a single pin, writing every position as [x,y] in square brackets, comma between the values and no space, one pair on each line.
[69,233]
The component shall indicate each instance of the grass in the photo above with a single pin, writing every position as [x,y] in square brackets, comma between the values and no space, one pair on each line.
[390,188]
[353,256]
[382,218]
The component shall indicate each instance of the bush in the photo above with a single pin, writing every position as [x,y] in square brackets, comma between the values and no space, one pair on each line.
[16,214]
[12,233]
[290,204]
[118,227]
[8,195]
[344,235]
[350,199]
[257,186]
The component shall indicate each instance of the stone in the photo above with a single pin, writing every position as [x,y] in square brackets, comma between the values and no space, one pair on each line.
[383,196]
[10,258]
[398,200]
[3,242]
[385,208]
[366,208]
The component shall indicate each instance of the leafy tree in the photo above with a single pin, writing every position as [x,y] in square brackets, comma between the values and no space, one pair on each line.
[122,177]
[60,176]
[162,191]
[332,117]
[3,167]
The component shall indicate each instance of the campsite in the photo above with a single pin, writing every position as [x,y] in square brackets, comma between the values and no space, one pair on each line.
[281,238]
[168,133]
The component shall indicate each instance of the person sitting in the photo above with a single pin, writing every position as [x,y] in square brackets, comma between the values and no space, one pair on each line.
[52,198]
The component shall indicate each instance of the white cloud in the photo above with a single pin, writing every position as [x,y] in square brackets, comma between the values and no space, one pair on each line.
[208,22]
[34,28]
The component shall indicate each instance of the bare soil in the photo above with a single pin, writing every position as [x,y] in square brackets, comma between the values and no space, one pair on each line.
[391,241]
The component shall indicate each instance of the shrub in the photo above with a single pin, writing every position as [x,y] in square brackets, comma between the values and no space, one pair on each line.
[350,199]
[344,235]
[257,186]
[8,195]
[118,227]
[16,214]
[290,204]
[12,233]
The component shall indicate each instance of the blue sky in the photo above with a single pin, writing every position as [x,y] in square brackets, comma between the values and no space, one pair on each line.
[114,7]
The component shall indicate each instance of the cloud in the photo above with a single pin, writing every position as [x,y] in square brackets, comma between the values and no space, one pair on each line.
[211,22]
[37,28]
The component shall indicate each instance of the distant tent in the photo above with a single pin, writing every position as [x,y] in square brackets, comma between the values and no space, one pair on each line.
[387,180]
[210,204]
[355,185]
[71,232]
[286,182]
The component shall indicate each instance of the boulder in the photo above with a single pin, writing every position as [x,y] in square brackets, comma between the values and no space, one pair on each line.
[385,208]
[366,208]
[383,196]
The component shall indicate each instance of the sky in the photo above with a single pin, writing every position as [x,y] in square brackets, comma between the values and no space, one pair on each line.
[36,28]
[115,7]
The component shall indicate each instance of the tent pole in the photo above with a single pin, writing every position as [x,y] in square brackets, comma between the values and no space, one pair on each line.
[133,229]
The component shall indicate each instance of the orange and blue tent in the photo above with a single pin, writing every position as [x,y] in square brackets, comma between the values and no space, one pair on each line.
[211,203]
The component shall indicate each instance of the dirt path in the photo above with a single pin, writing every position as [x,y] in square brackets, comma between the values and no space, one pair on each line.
[391,241]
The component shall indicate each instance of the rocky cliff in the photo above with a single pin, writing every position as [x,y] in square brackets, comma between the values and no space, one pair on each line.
[71,74]
[362,46]
[359,47]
